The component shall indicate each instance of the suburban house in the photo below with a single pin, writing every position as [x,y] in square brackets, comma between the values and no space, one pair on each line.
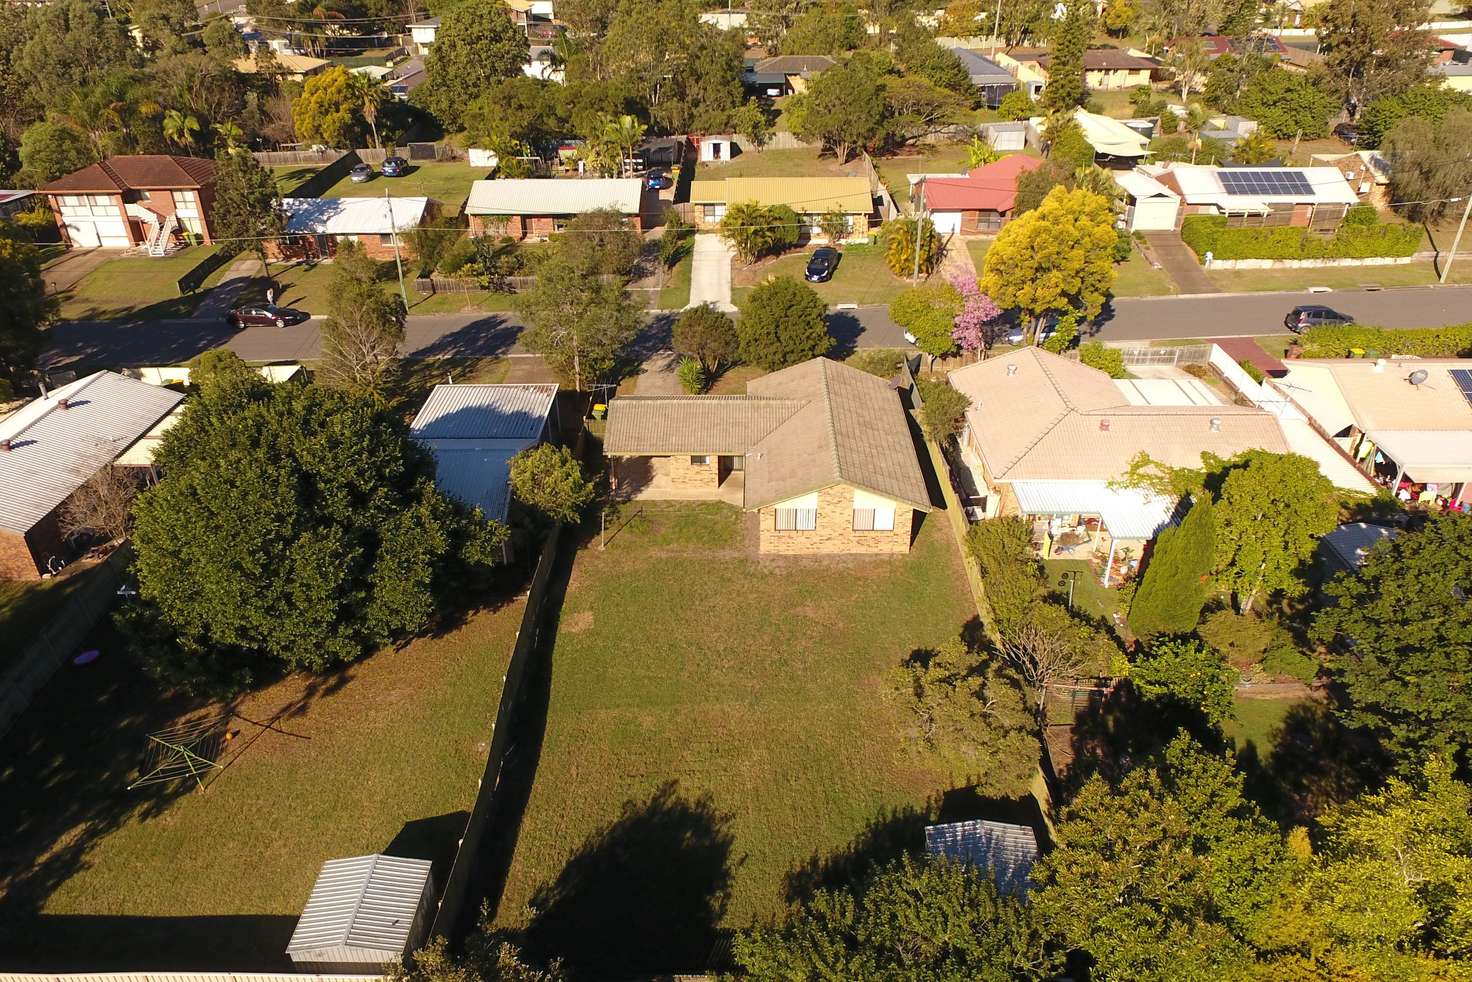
[1217,45]
[1115,144]
[422,34]
[821,452]
[1149,205]
[994,81]
[810,197]
[405,77]
[1454,75]
[52,446]
[535,19]
[1046,437]
[151,200]
[1407,424]
[14,201]
[297,68]
[534,208]
[474,431]
[316,226]
[980,200]
[1308,197]
[1107,69]
[783,74]
[1006,851]
[1367,171]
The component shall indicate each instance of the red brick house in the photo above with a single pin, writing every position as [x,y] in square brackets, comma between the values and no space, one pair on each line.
[981,200]
[316,226]
[153,200]
[535,208]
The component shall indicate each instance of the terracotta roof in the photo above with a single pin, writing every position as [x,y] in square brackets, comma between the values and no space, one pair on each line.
[991,187]
[1040,416]
[802,429]
[143,171]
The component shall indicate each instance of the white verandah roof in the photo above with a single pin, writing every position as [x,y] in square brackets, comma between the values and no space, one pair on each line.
[1128,513]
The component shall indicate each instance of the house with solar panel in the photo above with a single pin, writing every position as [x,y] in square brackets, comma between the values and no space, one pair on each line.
[1315,198]
[474,431]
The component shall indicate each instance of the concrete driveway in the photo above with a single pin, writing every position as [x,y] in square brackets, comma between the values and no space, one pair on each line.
[710,272]
[66,272]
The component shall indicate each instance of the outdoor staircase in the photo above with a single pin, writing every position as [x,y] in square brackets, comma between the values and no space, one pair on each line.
[163,233]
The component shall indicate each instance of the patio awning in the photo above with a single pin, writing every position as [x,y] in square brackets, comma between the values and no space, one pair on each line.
[1434,456]
[1128,513]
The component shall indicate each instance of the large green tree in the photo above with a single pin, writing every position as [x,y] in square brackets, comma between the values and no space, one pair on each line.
[294,524]
[330,110]
[475,46]
[1070,39]
[928,313]
[782,322]
[245,213]
[708,336]
[1177,581]
[829,28]
[1429,102]
[1057,258]
[930,918]
[601,242]
[166,25]
[25,308]
[52,148]
[550,480]
[364,326]
[1372,49]
[68,46]
[1002,549]
[1287,104]
[578,321]
[1270,512]
[1186,674]
[1429,162]
[1399,631]
[844,108]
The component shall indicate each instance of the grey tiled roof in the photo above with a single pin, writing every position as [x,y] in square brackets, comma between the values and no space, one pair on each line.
[1007,851]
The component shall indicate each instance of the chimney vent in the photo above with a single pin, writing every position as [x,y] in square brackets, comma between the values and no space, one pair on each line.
[64,403]
[1216,424]
[5,446]
[1103,426]
[1011,369]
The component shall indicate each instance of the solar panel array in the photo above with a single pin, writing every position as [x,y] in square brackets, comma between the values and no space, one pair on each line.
[1463,378]
[1265,182]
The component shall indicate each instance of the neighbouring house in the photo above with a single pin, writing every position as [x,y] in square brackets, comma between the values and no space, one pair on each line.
[810,197]
[1448,52]
[535,208]
[52,446]
[1227,128]
[406,76]
[538,18]
[1407,424]
[535,19]
[783,75]
[1454,75]
[725,20]
[15,201]
[297,68]
[1007,852]
[315,227]
[543,63]
[980,200]
[1217,45]
[422,34]
[364,915]
[1115,144]
[1106,69]
[1307,197]
[1149,205]
[994,81]
[474,430]
[151,200]
[1345,549]
[820,452]
[1367,171]
[1048,438]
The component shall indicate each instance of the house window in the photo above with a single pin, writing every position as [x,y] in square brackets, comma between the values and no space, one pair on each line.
[699,461]
[873,519]
[797,519]
[386,238]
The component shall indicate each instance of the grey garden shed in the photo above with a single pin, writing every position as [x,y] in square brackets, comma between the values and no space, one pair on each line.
[365,913]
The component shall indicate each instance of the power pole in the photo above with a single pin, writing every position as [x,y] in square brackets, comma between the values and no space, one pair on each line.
[1457,241]
[919,220]
[394,234]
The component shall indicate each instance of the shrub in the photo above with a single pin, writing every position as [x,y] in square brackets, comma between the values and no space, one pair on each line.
[692,376]
[1290,662]
[1107,360]
[1361,215]
[1184,673]
[456,257]
[707,335]
[944,409]
[1015,106]
[782,322]
[1177,580]
[550,480]
[1452,341]
[883,362]
[1253,372]
[1209,233]
[1246,639]
[1002,548]
[1123,245]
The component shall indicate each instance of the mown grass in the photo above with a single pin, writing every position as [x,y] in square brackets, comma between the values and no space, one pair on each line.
[1337,278]
[28,606]
[446,181]
[139,287]
[1135,277]
[1257,722]
[754,691]
[862,276]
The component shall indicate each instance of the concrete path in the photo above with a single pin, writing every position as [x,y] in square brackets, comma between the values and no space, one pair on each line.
[710,272]
[956,264]
[1179,263]
[221,297]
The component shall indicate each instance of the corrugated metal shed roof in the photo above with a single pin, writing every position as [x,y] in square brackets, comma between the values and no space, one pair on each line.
[54,451]
[457,411]
[363,902]
[478,476]
[1008,851]
[1128,513]
[352,216]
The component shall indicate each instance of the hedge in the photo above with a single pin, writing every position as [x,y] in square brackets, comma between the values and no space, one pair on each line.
[1426,342]
[1209,233]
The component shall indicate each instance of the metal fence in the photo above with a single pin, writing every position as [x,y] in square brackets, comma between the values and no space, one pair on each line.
[1194,354]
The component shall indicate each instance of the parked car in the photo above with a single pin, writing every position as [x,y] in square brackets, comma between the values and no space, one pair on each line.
[1303,317]
[361,173]
[658,179]
[393,167]
[1018,334]
[263,315]
[1349,133]
[821,265]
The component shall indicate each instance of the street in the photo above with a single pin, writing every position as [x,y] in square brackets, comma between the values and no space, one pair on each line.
[96,344]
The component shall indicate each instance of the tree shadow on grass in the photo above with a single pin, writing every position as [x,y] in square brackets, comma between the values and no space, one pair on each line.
[1315,762]
[887,836]
[642,895]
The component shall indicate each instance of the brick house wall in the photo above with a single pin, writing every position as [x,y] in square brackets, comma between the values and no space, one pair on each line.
[309,248]
[688,475]
[835,532]
[22,556]
[528,226]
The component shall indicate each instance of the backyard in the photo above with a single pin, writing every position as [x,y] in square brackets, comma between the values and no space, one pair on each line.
[446,181]
[289,177]
[800,162]
[718,724]
[138,287]
[27,606]
[382,756]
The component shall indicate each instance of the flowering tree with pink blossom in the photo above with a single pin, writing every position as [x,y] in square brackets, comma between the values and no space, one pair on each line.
[978,316]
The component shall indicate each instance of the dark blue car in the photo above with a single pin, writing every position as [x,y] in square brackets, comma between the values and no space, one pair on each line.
[394,166]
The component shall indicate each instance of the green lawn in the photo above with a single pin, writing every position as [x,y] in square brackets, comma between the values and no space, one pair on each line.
[676,292]
[382,756]
[862,276]
[978,249]
[1255,723]
[1276,344]
[1116,104]
[27,607]
[446,181]
[141,287]
[454,303]
[1090,595]
[799,162]
[716,720]
[289,177]
[1341,278]
[1137,278]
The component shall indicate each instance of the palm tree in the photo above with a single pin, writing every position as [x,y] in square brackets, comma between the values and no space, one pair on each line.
[622,133]
[1193,122]
[315,23]
[231,134]
[180,128]
[369,94]
[979,153]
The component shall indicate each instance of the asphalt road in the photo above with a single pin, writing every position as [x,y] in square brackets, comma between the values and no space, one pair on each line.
[94,344]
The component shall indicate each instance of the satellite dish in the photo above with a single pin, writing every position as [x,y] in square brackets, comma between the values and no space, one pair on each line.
[1417,377]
